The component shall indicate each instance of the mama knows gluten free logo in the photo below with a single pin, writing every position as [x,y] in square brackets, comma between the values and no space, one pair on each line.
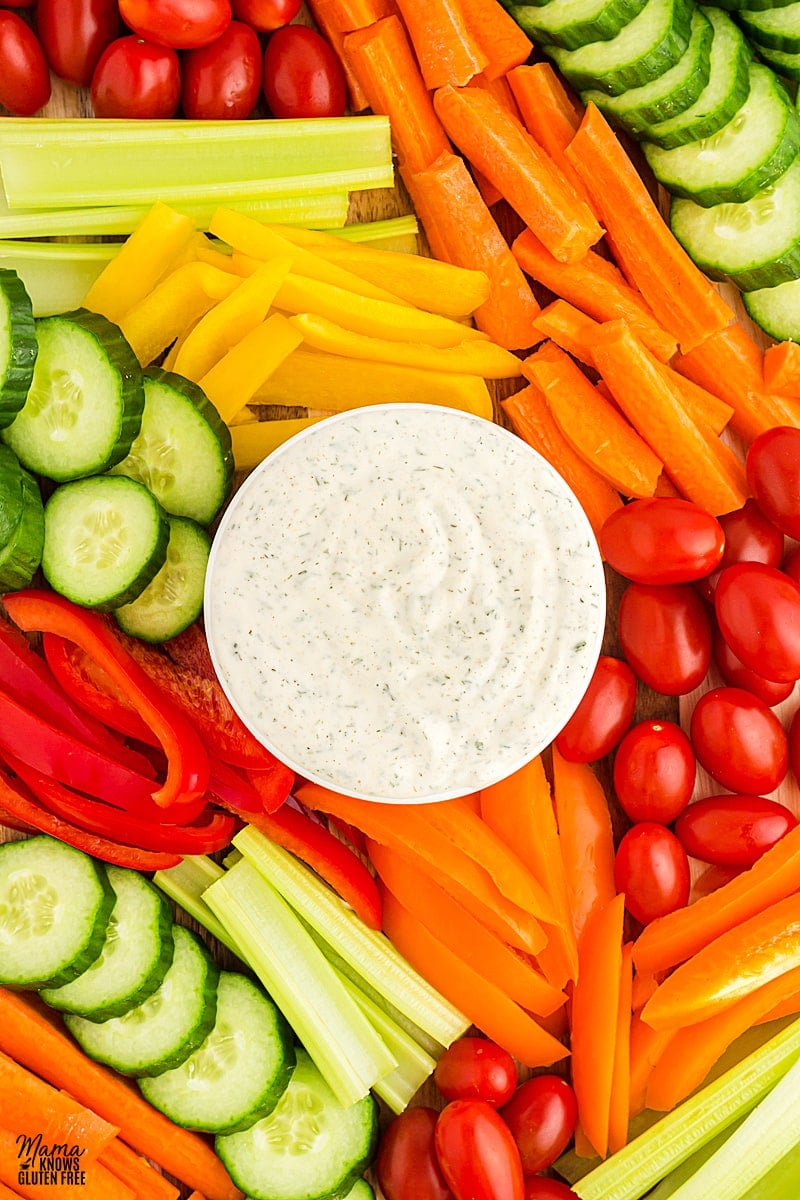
[54,1165]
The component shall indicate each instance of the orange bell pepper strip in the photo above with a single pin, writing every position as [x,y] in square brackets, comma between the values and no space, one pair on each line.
[587,839]
[619,1103]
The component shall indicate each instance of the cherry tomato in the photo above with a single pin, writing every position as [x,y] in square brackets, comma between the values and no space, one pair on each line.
[662,540]
[794,744]
[74,33]
[541,1115]
[474,1068]
[302,76]
[222,81]
[739,740]
[266,15]
[654,771]
[736,674]
[540,1187]
[477,1152]
[406,1165]
[758,610]
[652,869]
[749,537]
[773,474]
[18,4]
[181,24]
[603,715]
[24,74]
[665,634]
[791,564]
[732,831]
[136,79]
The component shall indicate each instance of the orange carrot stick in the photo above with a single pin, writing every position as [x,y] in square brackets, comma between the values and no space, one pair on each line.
[569,328]
[529,416]
[596,287]
[325,22]
[704,407]
[496,143]
[29,1105]
[447,920]
[34,1038]
[137,1173]
[782,369]
[619,1104]
[462,231]
[499,36]
[347,15]
[485,1004]
[586,836]
[383,61]
[446,47]
[679,295]
[502,93]
[7,1194]
[592,425]
[34,1182]
[551,113]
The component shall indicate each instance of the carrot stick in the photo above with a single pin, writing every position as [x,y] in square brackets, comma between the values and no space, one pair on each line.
[499,36]
[496,143]
[461,230]
[569,328]
[7,1194]
[592,425]
[383,61]
[326,23]
[705,470]
[33,1179]
[135,1171]
[529,416]
[586,836]
[463,934]
[502,93]
[703,406]
[346,15]
[446,47]
[680,296]
[551,113]
[485,1004]
[782,369]
[596,287]
[619,1104]
[595,1018]
[38,1042]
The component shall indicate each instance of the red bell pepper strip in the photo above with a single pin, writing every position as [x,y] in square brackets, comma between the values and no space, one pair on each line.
[323,852]
[90,687]
[17,804]
[273,785]
[33,609]
[232,789]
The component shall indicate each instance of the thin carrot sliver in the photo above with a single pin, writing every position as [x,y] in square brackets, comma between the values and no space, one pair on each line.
[446,47]
[500,37]
[492,140]
[551,112]
[586,836]
[782,369]
[682,299]
[619,1105]
[136,1172]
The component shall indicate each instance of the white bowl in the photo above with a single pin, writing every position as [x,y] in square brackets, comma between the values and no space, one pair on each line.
[405,603]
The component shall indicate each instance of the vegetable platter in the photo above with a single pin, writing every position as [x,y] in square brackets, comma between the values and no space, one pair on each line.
[577,875]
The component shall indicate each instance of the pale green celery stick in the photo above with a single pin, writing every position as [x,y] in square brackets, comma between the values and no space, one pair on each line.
[371,953]
[392,233]
[56,275]
[346,1049]
[669,1186]
[85,163]
[628,1174]
[185,883]
[781,1183]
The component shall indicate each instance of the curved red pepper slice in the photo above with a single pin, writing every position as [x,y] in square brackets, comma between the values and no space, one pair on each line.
[35,610]
[88,686]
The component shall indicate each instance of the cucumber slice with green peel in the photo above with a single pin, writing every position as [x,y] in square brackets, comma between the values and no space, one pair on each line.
[21,555]
[726,91]
[241,1070]
[776,310]
[55,904]
[736,6]
[85,402]
[361,1190]
[783,62]
[105,539]
[183,450]
[755,147]
[134,959]
[755,244]
[11,470]
[647,46]
[774,28]
[668,94]
[174,598]
[18,345]
[309,1147]
[162,1031]
[573,23]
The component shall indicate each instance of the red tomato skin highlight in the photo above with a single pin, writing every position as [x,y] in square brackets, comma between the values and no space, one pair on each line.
[773,475]
[24,73]
[222,81]
[665,633]
[603,715]
[662,540]
[758,612]
[477,1152]
[654,771]
[180,24]
[136,79]
[652,869]
[732,831]
[74,33]
[406,1165]
[541,1115]
[302,76]
[739,740]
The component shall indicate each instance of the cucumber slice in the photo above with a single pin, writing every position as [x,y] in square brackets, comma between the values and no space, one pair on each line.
[724,94]
[775,28]
[174,599]
[755,147]
[10,493]
[105,539]
[737,5]
[18,345]
[21,555]
[162,1031]
[785,63]
[668,94]
[755,244]
[183,451]
[55,903]
[573,23]
[310,1146]
[776,310]
[134,959]
[241,1070]
[647,46]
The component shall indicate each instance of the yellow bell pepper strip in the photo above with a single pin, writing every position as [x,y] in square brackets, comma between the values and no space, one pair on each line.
[233,381]
[183,296]
[187,772]
[253,441]
[470,357]
[142,260]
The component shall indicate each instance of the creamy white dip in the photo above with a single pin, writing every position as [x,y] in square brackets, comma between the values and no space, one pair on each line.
[405,602]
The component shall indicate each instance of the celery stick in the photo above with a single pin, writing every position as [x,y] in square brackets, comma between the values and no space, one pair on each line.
[392,233]
[83,163]
[668,1187]
[782,1182]
[414,1065]
[346,1049]
[629,1173]
[372,954]
[185,883]
[57,275]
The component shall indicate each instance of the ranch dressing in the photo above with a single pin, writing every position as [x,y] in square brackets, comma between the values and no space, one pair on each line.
[405,602]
